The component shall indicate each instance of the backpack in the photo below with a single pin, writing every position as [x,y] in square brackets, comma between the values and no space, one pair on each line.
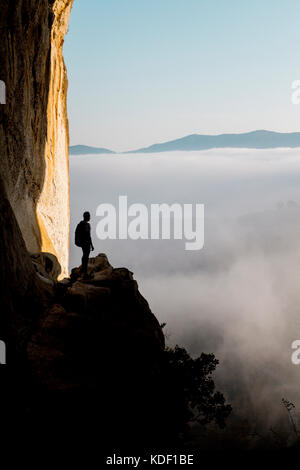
[78,235]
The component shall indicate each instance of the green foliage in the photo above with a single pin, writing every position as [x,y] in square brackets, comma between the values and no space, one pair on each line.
[193,388]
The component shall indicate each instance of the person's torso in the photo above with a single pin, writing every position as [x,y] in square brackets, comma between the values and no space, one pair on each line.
[85,231]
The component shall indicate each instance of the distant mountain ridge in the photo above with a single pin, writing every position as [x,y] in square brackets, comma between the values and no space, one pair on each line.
[85,149]
[260,139]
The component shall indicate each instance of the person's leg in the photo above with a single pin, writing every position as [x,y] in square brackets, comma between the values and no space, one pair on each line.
[85,259]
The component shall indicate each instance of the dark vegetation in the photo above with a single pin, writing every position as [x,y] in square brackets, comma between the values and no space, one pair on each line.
[194,388]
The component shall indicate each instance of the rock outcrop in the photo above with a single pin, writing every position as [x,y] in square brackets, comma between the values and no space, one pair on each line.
[22,293]
[86,315]
[33,122]
[80,353]
[94,358]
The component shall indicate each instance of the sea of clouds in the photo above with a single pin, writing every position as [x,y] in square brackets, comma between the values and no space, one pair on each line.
[239,297]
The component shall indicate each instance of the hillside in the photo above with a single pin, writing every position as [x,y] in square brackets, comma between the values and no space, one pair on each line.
[259,139]
[85,150]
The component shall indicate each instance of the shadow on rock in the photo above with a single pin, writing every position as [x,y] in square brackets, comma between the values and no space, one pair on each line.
[95,358]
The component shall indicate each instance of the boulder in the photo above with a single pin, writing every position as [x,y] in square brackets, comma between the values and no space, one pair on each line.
[47,265]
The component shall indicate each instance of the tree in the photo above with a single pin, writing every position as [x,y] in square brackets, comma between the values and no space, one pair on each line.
[190,382]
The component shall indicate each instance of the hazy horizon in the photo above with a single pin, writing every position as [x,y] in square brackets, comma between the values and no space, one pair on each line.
[183,137]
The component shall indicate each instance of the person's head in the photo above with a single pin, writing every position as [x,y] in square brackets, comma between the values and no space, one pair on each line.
[86,216]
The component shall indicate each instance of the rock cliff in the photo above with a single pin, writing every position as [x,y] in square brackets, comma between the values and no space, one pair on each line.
[33,122]
[86,362]
[79,353]
[82,354]
[86,314]
[95,357]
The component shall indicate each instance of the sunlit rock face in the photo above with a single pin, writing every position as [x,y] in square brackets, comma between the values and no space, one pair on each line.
[33,123]
[53,204]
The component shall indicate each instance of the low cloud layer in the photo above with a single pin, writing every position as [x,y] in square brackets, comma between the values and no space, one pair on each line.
[239,297]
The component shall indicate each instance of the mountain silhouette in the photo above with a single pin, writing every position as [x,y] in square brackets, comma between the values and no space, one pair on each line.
[85,149]
[260,139]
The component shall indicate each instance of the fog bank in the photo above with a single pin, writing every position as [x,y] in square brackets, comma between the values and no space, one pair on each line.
[239,297]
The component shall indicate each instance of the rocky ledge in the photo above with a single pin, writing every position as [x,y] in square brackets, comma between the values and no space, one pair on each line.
[95,355]
[85,316]
[80,353]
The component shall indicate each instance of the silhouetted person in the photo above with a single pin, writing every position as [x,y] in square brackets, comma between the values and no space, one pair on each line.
[84,240]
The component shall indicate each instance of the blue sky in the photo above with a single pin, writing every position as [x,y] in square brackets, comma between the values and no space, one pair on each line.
[142,72]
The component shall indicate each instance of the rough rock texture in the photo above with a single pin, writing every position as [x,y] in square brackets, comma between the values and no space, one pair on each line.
[23,297]
[95,358]
[53,203]
[33,122]
[109,310]
[19,285]
[47,265]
